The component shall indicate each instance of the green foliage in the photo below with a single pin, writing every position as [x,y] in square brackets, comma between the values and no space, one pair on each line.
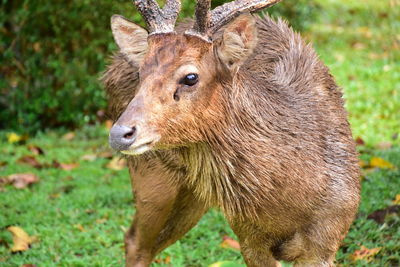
[300,14]
[52,53]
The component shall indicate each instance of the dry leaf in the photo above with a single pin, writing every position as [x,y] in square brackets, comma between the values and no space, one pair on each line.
[384,145]
[69,166]
[117,164]
[21,240]
[365,254]
[396,200]
[379,215]
[229,242]
[166,260]
[227,264]
[108,124]
[22,180]
[36,150]
[89,157]
[380,163]
[65,166]
[69,136]
[31,161]
[100,221]
[362,163]
[80,227]
[28,265]
[106,154]
[360,141]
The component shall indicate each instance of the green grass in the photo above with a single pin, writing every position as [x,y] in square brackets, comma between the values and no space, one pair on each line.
[79,216]
[360,42]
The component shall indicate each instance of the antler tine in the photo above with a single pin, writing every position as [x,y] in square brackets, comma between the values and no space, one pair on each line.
[159,20]
[223,14]
[202,15]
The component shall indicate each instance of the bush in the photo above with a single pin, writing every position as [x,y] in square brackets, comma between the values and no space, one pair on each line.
[52,52]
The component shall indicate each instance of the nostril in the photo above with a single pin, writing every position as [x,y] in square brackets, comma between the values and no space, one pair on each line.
[130,134]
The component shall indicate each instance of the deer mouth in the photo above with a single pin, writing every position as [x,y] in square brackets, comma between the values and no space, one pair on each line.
[139,149]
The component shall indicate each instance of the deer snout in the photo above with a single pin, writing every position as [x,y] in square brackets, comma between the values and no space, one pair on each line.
[122,137]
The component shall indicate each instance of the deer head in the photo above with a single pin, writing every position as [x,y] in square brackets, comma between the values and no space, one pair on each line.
[181,76]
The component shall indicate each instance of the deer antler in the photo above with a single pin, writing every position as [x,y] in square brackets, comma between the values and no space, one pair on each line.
[159,20]
[206,24]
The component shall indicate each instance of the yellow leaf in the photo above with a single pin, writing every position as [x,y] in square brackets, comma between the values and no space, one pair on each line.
[380,163]
[225,264]
[21,239]
[69,136]
[365,253]
[396,201]
[13,138]
[229,242]
[80,227]
[117,164]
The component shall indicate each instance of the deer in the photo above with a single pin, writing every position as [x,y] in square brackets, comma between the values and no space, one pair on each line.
[231,110]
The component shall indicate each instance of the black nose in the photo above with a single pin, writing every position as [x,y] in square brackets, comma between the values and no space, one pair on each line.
[122,137]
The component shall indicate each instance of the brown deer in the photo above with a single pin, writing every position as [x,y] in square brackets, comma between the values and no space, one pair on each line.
[237,112]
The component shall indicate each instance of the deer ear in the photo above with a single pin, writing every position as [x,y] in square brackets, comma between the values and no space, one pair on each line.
[130,38]
[238,42]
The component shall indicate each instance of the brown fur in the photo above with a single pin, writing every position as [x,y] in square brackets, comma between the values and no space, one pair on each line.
[268,143]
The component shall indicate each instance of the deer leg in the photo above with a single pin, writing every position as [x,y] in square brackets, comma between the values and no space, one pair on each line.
[164,213]
[254,245]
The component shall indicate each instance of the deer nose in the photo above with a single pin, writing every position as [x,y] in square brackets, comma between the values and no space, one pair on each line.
[122,137]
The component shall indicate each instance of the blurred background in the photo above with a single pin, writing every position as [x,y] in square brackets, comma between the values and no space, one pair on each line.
[53,126]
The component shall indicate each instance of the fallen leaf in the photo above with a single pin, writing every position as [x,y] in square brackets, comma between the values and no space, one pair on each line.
[106,154]
[360,141]
[229,242]
[384,145]
[396,200]
[69,136]
[69,166]
[108,124]
[80,227]
[65,166]
[22,180]
[362,163]
[226,264]
[16,138]
[31,161]
[380,163]
[100,221]
[36,150]
[21,240]
[380,215]
[89,157]
[116,164]
[28,265]
[365,253]
[166,260]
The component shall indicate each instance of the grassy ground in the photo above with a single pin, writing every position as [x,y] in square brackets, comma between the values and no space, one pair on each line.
[79,216]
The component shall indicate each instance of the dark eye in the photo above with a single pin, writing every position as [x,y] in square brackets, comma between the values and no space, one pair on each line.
[190,79]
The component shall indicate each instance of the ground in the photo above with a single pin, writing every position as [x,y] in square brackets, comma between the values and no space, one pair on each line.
[81,206]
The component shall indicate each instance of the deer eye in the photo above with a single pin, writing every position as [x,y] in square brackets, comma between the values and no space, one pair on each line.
[190,79]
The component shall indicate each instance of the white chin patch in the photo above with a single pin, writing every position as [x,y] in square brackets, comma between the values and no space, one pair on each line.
[137,150]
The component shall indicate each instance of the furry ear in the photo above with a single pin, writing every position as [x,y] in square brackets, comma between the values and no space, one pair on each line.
[238,42]
[130,38]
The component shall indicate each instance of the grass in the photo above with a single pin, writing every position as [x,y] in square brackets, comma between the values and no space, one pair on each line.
[79,216]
